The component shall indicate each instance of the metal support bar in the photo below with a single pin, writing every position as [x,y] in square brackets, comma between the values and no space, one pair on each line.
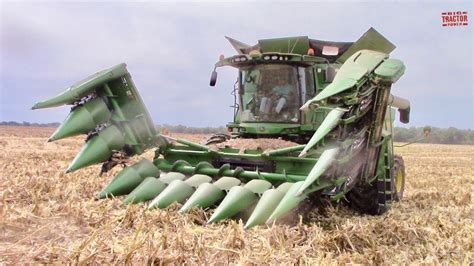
[122,117]
[215,172]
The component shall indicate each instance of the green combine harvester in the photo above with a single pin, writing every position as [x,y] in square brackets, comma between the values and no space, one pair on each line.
[332,100]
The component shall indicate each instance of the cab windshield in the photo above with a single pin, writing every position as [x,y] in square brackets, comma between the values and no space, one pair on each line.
[270,94]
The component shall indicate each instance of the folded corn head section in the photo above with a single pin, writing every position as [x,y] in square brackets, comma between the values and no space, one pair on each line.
[331,99]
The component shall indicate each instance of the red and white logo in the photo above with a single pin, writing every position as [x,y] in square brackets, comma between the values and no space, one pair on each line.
[458,18]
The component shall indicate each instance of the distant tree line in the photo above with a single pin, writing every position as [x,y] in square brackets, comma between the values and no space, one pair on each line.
[449,135]
[28,124]
[171,128]
[413,134]
[191,130]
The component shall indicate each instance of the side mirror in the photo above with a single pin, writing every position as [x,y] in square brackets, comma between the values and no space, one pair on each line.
[213,80]
[404,115]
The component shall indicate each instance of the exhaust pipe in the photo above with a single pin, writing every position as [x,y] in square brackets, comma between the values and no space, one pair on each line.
[403,106]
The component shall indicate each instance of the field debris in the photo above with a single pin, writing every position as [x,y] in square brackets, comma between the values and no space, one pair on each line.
[264,144]
[47,216]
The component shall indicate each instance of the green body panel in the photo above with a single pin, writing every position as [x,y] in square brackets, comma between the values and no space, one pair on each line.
[352,73]
[390,70]
[367,59]
[268,128]
[371,40]
[292,45]
[335,87]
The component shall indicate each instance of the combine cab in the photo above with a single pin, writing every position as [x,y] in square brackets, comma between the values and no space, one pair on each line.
[329,103]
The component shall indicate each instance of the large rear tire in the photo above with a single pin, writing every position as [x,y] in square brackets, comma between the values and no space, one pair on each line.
[364,197]
[398,178]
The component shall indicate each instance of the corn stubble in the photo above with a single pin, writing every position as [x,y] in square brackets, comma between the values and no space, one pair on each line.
[47,216]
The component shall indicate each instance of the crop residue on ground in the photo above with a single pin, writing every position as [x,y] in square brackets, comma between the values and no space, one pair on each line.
[47,216]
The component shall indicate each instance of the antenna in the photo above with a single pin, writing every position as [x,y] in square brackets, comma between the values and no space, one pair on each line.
[294,45]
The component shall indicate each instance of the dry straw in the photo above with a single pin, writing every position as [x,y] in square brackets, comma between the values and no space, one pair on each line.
[49,217]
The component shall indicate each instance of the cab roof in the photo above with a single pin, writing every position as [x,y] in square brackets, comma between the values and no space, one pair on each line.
[334,52]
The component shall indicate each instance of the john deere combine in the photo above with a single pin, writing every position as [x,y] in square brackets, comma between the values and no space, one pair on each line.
[331,99]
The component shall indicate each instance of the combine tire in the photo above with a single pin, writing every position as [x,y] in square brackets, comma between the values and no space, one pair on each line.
[364,197]
[398,178]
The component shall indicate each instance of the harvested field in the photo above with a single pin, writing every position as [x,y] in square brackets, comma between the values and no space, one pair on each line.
[263,144]
[47,216]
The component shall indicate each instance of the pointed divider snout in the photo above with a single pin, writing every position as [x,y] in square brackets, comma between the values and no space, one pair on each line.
[267,204]
[151,187]
[129,178]
[329,123]
[207,194]
[290,201]
[324,162]
[240,198]
[82,119]
[178,191]
[99,148]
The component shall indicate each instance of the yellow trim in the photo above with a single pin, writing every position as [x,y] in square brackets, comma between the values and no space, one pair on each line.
[399,180]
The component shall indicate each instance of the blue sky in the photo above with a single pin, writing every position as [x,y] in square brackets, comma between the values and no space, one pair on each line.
[170,49]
